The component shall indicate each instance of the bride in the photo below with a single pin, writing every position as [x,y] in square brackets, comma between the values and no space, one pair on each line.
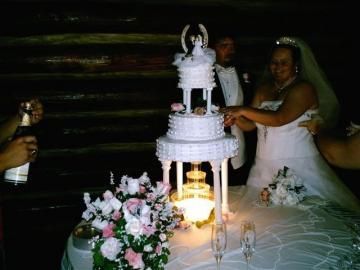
[294,88]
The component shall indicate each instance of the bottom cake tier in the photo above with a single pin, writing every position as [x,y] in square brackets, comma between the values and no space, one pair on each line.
[187,151]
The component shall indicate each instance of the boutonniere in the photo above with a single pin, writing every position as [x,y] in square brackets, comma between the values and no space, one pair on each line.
[246,77]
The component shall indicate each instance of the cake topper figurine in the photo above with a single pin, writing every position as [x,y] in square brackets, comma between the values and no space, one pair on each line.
[203,37]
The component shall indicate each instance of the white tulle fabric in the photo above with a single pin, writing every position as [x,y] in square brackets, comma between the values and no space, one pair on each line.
[294,147]
[311,71]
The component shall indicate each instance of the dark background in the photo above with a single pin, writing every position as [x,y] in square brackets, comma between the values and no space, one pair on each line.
[103,72]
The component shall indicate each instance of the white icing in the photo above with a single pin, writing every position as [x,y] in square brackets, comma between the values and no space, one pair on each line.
[196,70]
[192,137]
[190,127]
[201,76]
[188,151]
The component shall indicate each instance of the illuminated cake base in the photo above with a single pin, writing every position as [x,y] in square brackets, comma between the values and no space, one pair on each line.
[195,209]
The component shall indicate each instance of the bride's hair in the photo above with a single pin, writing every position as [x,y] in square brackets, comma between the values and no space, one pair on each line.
[310,71]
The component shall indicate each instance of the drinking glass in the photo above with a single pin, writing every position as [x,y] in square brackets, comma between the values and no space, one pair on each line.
[218,241]
[247,239]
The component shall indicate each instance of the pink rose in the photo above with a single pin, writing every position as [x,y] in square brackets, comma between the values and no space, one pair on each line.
[116,215]
[133,204]
[163,188]
[158,249]
[150,197]
[177,107]
[148,230]
[108,230]
[134,259]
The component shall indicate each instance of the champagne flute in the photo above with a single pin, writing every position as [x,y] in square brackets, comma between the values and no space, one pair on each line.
[247,239]
[218,241]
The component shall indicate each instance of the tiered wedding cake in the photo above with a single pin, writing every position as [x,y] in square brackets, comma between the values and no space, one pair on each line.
[197,134]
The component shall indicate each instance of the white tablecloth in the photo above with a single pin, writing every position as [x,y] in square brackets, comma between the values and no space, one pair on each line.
[313,235]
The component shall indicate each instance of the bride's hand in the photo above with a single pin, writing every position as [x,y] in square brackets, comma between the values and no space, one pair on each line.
[313,125]
[228,121]
[232,111]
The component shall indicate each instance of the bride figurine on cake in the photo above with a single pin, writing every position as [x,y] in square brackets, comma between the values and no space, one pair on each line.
[294,88]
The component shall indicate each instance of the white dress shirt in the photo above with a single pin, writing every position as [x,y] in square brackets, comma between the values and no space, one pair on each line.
[233,95]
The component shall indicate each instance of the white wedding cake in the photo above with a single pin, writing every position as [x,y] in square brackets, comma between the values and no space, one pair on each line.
[197,135]
[194,137]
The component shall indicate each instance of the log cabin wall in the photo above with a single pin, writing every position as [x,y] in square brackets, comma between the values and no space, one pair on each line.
[103,72]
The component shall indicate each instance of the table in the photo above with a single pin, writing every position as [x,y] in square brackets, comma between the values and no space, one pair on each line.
[312,235]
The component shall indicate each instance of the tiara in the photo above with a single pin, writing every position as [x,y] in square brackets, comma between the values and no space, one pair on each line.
[286,41]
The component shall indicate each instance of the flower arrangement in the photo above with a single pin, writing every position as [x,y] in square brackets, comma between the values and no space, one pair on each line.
[286,188]
[136,221]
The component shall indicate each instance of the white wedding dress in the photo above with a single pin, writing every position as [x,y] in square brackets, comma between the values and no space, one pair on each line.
[294,147]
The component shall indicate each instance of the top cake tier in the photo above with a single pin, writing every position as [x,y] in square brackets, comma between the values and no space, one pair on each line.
[196,70]
[200,76]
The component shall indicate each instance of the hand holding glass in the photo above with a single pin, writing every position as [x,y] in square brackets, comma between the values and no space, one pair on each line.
[247,240]
[218,241]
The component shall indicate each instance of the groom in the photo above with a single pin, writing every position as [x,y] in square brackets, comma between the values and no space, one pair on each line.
[234,88]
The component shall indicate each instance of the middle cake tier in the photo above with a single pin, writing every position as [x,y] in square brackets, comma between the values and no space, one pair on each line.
[192,127]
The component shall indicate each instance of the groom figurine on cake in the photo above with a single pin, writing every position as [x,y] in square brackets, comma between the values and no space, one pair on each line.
[234,87]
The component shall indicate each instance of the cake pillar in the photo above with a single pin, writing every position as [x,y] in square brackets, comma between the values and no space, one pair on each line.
[166,164]
[179,179]
[224,185]
[215,167]
[187,99]
[208,101]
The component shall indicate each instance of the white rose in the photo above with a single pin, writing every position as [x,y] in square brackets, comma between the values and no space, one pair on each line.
[291,199]
[275,199]
[162,237]
[133,186]
[106,209]
[298,181]
[108,195]
[148,248]
[215,108]
[290,181]
[115,203]
[87,214]
[145,220]
[111,248]
[281,190]
[87,198]
[133,227]
[145,209]
[98,224]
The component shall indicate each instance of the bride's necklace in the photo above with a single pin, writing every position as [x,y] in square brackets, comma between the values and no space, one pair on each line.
[280,88]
